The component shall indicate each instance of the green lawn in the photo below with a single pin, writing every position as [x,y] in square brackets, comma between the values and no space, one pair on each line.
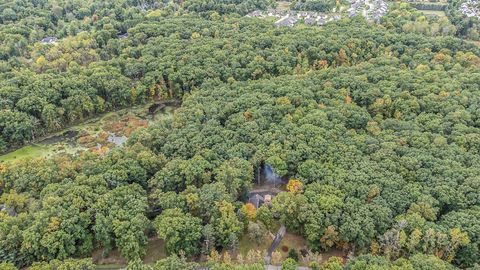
[29,151]
[294,241]
[246,244]
[439,13]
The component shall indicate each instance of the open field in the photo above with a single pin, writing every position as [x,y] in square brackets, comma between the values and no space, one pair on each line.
[283,5]
[439,13]
[246,244]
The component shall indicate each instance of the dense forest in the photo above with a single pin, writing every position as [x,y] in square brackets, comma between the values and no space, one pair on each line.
[376,127]
[45,87]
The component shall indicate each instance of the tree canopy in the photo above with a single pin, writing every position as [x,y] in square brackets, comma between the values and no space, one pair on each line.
[376,126]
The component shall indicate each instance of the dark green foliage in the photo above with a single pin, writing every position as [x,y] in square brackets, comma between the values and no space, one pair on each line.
[293,254]
[120,220]
[47,94]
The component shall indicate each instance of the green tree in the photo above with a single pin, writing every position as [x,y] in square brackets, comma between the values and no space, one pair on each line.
[120,220]
[226,225]
[174,262]
[182,232]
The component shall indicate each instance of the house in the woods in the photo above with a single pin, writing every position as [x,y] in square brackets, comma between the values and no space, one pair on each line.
[260,198]
[253,14]
[49,40]
[122,36]
[257,200]
[309,21]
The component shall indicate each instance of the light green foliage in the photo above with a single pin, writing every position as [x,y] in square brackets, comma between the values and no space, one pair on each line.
[226,225]
[236,174]
[408,19]
[7,266]
[289,207]
[174,262]
[333,263]
[264,215]
[289,264]
[137,264]
[255,266]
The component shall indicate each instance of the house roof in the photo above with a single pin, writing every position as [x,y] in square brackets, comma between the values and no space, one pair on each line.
[256,200]
[49,40]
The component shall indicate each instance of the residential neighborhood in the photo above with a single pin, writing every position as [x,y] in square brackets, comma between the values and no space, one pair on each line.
[292,17]
[470,8]
[370,9]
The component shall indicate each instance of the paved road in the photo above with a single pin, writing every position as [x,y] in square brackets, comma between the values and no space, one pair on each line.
[276,241]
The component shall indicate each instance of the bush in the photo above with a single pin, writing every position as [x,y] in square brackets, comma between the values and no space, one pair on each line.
[293,254]
[289,264]
[256,232]
[7,266]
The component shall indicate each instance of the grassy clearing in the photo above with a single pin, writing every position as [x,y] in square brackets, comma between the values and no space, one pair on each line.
[246,245]
[155,252]
[283,5]
[29,151]
[290,241]
[299,243]
[112,258]
[439,13]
